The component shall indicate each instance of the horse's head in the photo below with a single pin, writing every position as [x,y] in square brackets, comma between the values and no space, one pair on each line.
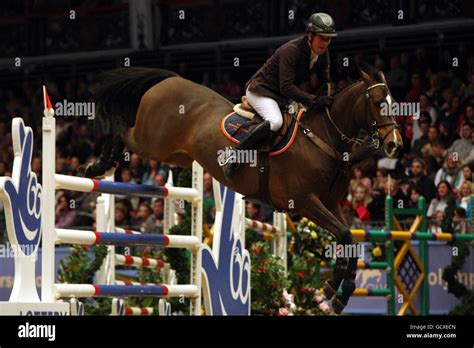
[382,129]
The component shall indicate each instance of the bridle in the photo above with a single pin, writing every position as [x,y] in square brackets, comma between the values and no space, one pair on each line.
[373,141]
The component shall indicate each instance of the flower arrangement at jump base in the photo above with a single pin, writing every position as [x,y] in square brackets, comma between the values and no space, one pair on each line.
[297,293]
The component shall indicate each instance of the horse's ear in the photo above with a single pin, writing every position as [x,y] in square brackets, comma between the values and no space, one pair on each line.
[383,77]
[364,71]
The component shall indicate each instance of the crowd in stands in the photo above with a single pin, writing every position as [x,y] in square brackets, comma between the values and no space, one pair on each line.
[437,160]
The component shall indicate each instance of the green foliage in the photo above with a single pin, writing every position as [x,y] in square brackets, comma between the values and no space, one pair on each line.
[80,268]
[455,287]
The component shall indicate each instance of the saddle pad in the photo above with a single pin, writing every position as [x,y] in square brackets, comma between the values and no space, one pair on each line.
[235,128]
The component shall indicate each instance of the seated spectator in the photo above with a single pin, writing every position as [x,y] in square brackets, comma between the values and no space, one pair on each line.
[463,146]
[144,211]
[415,194]
[136,168]
[426,106]
[436,222]
[470,157]
[464,197]
[254,212]
[360,200]
[444,199]
[122,218]
[450,172]
[420,179]
[154,222]
[150,172]
[65,216]
[460,223]
[352,220]
[422,138]
[358,178]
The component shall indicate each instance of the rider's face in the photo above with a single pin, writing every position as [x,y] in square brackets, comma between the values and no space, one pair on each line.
[320,44]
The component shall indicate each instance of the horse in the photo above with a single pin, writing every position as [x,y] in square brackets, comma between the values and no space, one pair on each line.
[161,116]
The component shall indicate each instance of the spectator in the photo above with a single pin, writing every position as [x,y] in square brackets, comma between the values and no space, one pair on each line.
[358,178]
[436,222]
[154,222]
[360,201]
[136,168]
[254,211]
[450,172]
[426,106]
[65,216]
[415,194]
[460,223]
[421,180]
[144,211]
[416,89]
[464,199]
[149,174]
[423,138]
[463,147]
[444,200]
[352,220]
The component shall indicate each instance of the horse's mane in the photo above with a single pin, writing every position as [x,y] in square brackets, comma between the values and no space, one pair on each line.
[370,70]
[343,88]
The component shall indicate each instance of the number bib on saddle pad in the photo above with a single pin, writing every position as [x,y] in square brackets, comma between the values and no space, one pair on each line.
[236,127]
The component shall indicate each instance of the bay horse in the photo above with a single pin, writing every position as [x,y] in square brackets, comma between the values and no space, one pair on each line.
[162,116]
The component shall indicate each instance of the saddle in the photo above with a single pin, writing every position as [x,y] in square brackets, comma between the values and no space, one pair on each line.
[246,110]
[242,120]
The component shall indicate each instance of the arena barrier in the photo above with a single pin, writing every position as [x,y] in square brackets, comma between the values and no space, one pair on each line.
[30,210]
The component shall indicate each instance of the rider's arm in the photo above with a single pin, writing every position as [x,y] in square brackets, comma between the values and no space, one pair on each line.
[287,67]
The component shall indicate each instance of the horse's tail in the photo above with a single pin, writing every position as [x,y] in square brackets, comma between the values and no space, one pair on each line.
[119,95]
[117,103]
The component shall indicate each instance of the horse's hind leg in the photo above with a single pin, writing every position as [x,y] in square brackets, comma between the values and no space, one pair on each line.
[345,266]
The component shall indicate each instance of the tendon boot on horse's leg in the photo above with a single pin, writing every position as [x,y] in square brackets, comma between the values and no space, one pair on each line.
[253,140]
[348,287]
[330,287]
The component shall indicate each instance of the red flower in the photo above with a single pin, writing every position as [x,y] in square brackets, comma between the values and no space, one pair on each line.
[85,247]
[74,267]
[275,284]
[299,275]
[302,289]
[261,268]
[262,262]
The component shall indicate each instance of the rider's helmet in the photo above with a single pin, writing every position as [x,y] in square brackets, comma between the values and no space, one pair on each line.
[321,23]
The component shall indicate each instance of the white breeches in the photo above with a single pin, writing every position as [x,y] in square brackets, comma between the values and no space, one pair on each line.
[267,108]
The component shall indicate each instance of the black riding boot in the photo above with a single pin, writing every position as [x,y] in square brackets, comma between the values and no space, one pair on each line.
[254,139]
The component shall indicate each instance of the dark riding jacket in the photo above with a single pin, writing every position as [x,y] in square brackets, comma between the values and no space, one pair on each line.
[286,69]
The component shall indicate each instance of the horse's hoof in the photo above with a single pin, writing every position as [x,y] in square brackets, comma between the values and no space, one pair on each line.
[328,290]
[337,305]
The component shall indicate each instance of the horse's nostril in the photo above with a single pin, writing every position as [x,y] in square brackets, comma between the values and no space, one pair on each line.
[392,148]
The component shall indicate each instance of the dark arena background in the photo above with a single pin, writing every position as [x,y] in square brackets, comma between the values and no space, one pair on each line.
[138,192]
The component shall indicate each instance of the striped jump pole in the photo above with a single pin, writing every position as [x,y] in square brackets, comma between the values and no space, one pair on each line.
[361,264]
[96,290]
[66,182]
[134,261]
[120,239]
[379,235]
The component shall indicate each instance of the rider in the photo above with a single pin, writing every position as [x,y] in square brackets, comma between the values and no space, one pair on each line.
[277,81]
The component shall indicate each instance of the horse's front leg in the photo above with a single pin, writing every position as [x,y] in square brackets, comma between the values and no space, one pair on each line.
[346,265]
